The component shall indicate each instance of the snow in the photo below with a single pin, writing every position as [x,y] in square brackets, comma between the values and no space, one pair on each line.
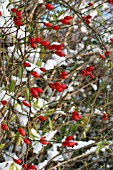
[50,64]
[6,165]
[40,165]
[23,119]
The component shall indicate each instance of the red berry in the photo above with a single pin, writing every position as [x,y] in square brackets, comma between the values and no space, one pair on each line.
[102,56]
[90,68]
[45,43]
[49,7]
[33,45]
[69,143]
[56,27]
[0,13]
[4,126]
[59,47]
[84,17]
[92,76]
[87,21]
[18,161]
[32,40]
[65,21]
[26,64]
[38,39]
[110,1]
[105,116]
[26,103]
[90,4]
[18,13]
[26,141]
[68,17]
[50,47]
[76,116]
[72,143]
[85,73]
[63,86]
[107,53]
[65,143]
[17,22]
[21,131]
[43,141]
[111,39]
[24,166]
[35,74]
[34,93]
[32,167]
[63,73]
[88,17]
[4,102]
[58,52]
[69,138]
[62,76]
[13,10]
[42,118]
[43,69]
[59,89]
[57,84]
[39,90]
[47,24]
[50,84]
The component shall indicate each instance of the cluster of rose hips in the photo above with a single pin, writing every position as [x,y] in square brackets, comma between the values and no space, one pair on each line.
[87,19]
[25,166]
[17,18]
[46,44]
[57,86]
[35,91]
[49,25]
[66,20]
[63,75]
[76,116]
[107,53]
[69,142]
[88,72]
[105,116]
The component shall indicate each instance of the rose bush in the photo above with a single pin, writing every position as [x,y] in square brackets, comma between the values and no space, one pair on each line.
[56,88]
